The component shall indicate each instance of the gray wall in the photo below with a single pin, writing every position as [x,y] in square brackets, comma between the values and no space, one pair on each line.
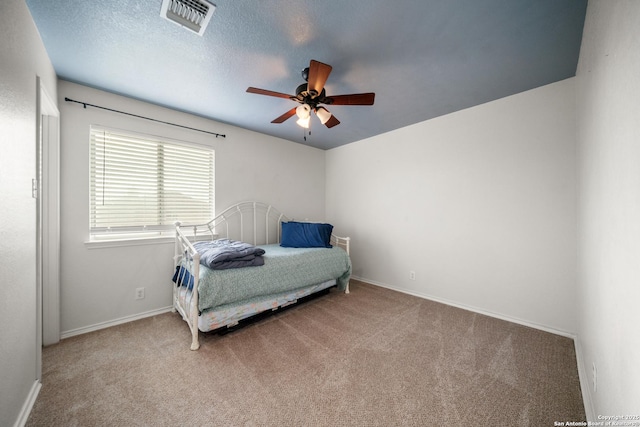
[22,58]
[479,203]
[608,114]
[98,283]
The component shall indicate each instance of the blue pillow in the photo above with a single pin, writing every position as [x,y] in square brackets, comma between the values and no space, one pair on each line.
[182,277]
[306,235]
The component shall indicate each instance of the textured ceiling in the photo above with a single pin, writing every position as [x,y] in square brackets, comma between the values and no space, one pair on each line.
[422,58]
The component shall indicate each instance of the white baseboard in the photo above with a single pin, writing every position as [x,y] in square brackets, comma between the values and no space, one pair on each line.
[108,324]
[28,404]
[473,309]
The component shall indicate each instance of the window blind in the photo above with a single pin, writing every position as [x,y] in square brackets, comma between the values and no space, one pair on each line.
[141,183]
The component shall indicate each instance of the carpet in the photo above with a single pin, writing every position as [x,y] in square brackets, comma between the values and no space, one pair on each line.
[374,357]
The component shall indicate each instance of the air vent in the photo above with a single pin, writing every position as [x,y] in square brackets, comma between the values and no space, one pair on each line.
[191,14]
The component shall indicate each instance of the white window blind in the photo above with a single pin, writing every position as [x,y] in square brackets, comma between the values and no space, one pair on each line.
[143,184]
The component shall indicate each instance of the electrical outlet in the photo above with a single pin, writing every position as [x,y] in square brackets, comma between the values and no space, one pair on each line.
[595,378]
[412,275]
[139,293]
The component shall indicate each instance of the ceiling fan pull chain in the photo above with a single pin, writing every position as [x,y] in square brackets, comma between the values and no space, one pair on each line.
[304,132]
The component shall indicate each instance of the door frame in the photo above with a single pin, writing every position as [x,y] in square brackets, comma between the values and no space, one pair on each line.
[48,218]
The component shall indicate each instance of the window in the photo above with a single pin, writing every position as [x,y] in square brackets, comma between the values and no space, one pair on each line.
[142,184]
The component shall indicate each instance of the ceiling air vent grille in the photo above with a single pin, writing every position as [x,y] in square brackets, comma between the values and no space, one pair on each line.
[191,14]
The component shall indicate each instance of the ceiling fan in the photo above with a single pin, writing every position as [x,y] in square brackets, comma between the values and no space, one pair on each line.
[311,94]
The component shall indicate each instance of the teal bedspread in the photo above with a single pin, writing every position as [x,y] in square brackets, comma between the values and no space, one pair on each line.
[284,269]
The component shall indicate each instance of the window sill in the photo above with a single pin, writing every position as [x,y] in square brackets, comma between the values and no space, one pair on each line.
[141,241]
[115,243]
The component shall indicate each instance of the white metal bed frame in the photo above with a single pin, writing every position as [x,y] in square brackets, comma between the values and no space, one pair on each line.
[259,221]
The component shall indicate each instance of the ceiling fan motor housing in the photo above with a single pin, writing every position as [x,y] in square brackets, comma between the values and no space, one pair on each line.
[303,96]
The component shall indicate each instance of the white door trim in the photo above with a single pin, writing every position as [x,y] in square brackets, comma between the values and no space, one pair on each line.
[49,210]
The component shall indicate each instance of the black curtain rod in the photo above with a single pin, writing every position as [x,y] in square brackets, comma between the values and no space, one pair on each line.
[85,104]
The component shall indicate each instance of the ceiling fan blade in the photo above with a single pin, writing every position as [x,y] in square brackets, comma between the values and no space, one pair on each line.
[353,99]
[269,93]
[318,75]
[285,116]
[332,122]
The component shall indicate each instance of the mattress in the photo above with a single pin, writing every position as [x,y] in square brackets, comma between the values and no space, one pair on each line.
[285,270]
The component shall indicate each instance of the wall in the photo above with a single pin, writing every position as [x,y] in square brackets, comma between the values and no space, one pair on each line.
[480,204]
[22,58]
[98,284]
[609,206]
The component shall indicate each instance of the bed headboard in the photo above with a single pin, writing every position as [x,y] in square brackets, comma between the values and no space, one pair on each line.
[252,222]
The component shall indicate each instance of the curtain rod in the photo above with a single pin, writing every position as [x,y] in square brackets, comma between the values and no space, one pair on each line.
[85,104]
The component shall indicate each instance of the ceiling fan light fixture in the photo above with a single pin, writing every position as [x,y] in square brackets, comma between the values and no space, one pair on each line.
[323,114]
[303,111]
[304,122]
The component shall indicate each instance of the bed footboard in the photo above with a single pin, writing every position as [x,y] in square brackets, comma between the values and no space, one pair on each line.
[185,302]
[344,243]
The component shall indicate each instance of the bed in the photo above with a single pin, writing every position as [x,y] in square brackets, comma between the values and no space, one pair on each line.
[277,262]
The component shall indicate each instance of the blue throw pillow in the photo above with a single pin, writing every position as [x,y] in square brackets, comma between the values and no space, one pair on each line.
[182,277]
[306,235]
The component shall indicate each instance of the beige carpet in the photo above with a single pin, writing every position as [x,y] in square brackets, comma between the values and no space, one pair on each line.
[374,357]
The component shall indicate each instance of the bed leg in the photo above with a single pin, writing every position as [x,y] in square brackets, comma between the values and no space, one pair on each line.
[194,340]
[346,290]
